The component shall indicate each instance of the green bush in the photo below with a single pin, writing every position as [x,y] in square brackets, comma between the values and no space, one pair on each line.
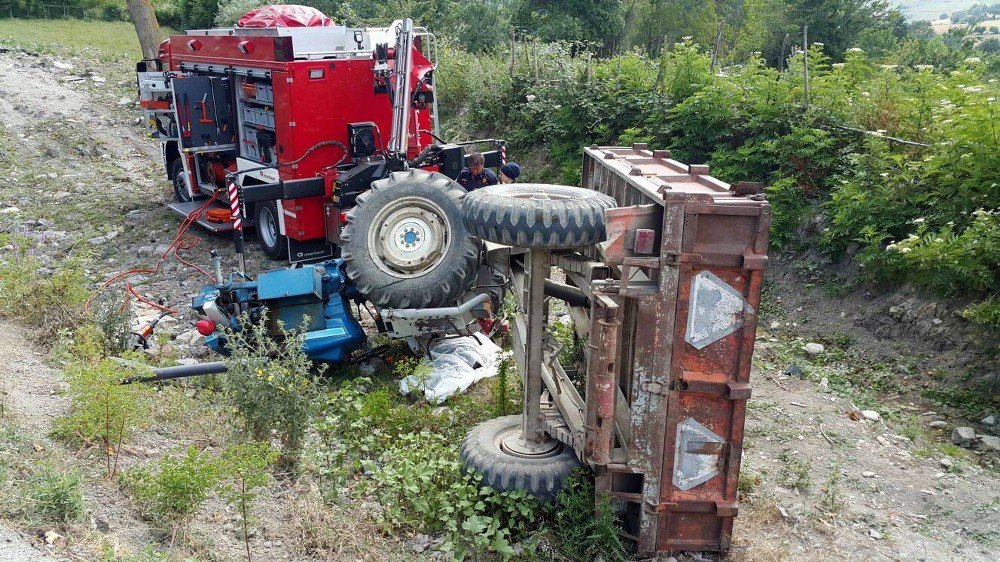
[171,490]
[421,484]
[103,411]
[48,301]
[272,387]
[245,466]
[407,458]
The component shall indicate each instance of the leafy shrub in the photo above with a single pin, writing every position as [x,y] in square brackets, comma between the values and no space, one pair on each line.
[950,262]
[113,317]
[103,409]
[54,494]
[357,424]
[788,205]
[229,11]
[172,489]
[272,387]
[986,312]
[408,456]
[571,347]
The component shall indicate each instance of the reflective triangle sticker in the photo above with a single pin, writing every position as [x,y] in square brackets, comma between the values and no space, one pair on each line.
[697,454]
[716,310]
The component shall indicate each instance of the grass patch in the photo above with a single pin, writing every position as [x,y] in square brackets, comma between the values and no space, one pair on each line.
[49,302]
[54,494]
[580,533]
[109,36]
[972,401]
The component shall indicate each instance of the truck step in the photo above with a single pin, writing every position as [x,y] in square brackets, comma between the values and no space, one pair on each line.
[184,209]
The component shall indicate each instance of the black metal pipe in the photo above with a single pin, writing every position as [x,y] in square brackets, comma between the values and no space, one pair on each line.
[180,372]
[570,294]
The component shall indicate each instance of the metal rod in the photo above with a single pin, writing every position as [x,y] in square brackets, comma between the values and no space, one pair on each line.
[180,372]
[531,423]
[399,140]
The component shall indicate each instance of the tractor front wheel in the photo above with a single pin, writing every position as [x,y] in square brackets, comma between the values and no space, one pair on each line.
[269,236]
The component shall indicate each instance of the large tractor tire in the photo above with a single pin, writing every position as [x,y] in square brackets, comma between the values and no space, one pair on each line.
[268,230]
[405,245]
[490,450]
[537,215]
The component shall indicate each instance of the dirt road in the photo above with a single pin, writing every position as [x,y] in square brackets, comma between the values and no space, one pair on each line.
[818,484]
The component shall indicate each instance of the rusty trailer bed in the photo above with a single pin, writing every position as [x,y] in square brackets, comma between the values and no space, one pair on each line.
[671,338]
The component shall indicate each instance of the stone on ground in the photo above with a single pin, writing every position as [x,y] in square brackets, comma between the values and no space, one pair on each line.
[963,436]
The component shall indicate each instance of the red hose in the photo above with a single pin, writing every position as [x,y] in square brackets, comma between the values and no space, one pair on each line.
[180,242]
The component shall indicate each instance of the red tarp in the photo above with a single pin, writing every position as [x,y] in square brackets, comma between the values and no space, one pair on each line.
[287,15]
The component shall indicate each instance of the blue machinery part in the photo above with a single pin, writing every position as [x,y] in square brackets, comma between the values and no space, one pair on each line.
[311,298]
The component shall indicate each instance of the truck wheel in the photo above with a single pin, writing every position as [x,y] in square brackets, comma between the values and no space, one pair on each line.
[269,236]
[405,245]
[180,181]
[490,449]
[537,215]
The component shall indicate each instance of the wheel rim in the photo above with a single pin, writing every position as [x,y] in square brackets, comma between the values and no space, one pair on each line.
[511,440]
[409,237]
[268,228]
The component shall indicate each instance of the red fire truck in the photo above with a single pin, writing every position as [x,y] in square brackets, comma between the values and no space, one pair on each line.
[303,115]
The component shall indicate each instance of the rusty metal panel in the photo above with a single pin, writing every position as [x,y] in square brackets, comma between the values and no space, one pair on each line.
[688,320]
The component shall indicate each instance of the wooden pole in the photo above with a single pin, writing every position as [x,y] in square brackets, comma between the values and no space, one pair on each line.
[146,27]
[534,52]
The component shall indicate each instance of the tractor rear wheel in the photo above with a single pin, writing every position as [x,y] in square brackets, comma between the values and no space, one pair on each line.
[405,245]
[537,215]
[268,229]
[496,450]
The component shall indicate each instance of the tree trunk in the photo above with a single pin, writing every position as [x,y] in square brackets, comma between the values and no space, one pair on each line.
[146,27]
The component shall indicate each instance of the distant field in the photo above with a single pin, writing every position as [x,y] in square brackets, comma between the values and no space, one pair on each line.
[111,37]
[929,10]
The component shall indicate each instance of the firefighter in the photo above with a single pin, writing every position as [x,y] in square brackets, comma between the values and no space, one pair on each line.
[476,175]
[509,172]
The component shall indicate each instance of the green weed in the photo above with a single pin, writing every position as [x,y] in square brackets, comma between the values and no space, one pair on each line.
[583,528]
[49,302]
[795,472]
[245,467]
[748,482]
[172,489]
[831,499]
[505,393]
[54,494]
